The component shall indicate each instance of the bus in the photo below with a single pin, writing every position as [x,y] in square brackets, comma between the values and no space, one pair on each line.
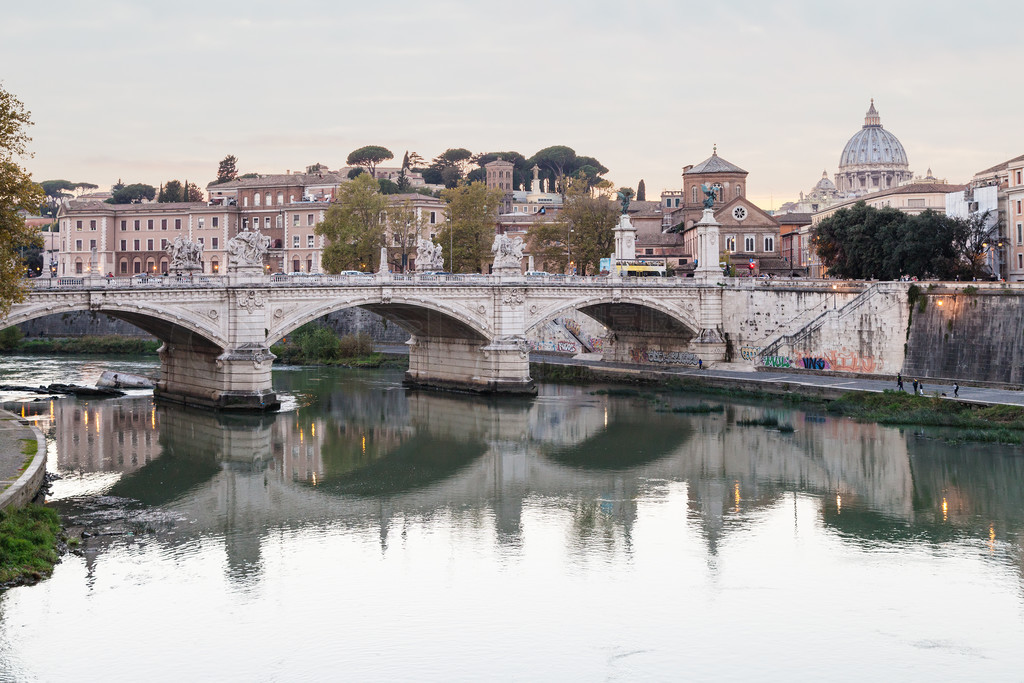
[641,267]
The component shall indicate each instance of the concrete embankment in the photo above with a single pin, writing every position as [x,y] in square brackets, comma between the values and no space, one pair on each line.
[22,460]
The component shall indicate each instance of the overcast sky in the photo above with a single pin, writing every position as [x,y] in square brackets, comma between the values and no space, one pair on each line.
[147,92]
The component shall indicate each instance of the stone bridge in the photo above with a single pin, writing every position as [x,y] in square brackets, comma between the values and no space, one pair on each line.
[468,332]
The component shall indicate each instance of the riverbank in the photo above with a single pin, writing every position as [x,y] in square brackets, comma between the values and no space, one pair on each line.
[970,420]
[89,345]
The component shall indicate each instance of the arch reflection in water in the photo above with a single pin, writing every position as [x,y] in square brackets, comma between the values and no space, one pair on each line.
[362,452]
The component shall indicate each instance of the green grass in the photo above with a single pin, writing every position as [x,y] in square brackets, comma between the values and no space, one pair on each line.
[29,446]
[999,423]
[700,409]
[28,543]
[111,345]
[759,422]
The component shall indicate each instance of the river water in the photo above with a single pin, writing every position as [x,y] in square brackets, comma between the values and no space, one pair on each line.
[367,532]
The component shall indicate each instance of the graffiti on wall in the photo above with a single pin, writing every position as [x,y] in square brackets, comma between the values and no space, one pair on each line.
[750,352]
[842,360]
[641,354]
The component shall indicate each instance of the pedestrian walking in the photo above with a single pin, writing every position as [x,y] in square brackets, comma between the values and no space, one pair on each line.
[700,363]
[899,381]
[956,390]
[915,387]
[920,388]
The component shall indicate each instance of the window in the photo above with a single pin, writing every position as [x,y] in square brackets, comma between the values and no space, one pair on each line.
[748,243]
[295,241]
[163,223]
[295,265]
[1020,261]
[739,190]
[398,240]
[256,199]
[200,241]
[78,226]
[202,223]
[149,224]
[280,221]
[214,242]
[78,245]
[310,241]
[280,198]
[78,267]
[266,222]
[915,202]
[149,245]
[433,217]
[648,252]
[136,245]
[124,245]
[124,266]
[295,220]
[245,224]
[92,225]
[693,193]
[92,244]
[163,244]
[215,265]
[137,224]
[213,222]
[1018,177]
[177,224]
[1018,207]
[269,203]
[769,243]
[668,203]
[245,201]
[677,202]
[730,242]
[1020,233]
[124,225]
[137,266]
[309,265]
[309,219]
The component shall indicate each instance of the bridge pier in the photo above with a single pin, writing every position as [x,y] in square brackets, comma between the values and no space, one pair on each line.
[499,367]
[233,379]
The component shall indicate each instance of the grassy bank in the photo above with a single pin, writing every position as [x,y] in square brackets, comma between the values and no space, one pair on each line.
[28,544]
[110,344]
[316,344]
[1000,423]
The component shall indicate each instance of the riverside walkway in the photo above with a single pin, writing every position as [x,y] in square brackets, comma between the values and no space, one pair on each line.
[22,460]
[739,376]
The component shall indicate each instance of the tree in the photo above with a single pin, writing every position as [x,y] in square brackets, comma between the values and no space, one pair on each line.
[555,160]
[862,242]
[369,156]
[641,191]
[979,234]
[469,231]
[405,226]
[353,173]
[354,226]
[388,187]
[175,191]
[449,167]
[583,231]
[132,194]
[316,168]
[228,169]
[17,193]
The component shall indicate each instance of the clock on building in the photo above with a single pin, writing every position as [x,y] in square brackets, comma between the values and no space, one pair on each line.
[739,213]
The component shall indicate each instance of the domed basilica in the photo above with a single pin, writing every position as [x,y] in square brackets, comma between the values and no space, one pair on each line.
[872,160]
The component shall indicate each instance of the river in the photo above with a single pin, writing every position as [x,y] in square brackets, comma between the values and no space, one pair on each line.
[367,532]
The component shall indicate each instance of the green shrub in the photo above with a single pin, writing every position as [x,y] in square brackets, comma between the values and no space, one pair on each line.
[28,542]
[10,338]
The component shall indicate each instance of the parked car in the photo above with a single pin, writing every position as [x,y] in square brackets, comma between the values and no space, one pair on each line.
[537,273]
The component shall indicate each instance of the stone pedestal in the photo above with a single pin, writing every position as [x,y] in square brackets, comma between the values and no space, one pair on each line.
[501,367]
[625,240]
[708,269]
[236,379]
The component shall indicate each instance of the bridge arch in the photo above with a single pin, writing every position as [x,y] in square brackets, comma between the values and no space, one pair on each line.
[169,325]
[424,319]
[625,314]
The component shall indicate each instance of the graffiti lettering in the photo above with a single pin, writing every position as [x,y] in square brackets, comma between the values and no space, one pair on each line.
[814,363]
[673,357]
[750,352]
[777,362]
[565,347]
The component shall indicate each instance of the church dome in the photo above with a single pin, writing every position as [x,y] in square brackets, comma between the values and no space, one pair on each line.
[873,145]
[825,185]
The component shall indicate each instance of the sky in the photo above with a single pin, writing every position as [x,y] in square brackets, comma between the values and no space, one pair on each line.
[148,92]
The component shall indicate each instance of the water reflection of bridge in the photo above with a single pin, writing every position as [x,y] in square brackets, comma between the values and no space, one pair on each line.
[369,456]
